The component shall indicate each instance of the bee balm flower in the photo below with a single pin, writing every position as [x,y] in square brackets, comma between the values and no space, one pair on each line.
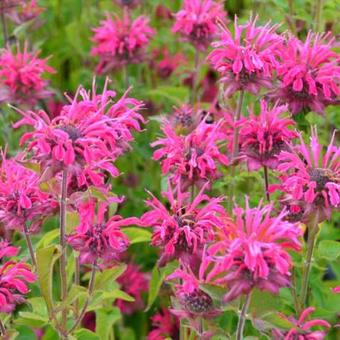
[21,77]
[263,137]
[196,21]
[254,252]
[246,61]
[119,42]
[311,176]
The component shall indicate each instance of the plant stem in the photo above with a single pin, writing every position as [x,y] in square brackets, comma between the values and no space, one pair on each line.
[312,233]
[77,282]
[201,328]
[266,182]
[193,97]
[242,318]
[4,25]
[291,21]
[2,329]
[90,292]
[63,261]
[126,76]
[30,246]
[318,15]
[237,117]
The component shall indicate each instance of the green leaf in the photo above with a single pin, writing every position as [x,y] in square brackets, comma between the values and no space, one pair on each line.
[38,305]
[72,221]
[117,294]
[46,258]
[137,235]
[157,277]
[262,303]
[48,238]
[85,334]
[329,250]
[105,321]
[75,292]
[106,277]
[31,319]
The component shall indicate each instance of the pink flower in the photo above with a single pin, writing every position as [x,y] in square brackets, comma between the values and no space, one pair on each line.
[13,280]
[263,137]
[311,176]
[302,329]
[336,290]
[184,229]
[21,11]
[254,252]
[164,326]
[193,158]
[6,250]
[196,21]
[193,301]
[87,136]
[133,282]
[166,64]
[246,61]
[21,77]
[96,238]
[22,202]
[309,73]
[121,41]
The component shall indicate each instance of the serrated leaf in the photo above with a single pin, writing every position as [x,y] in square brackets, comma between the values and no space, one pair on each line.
[85,334]
[75,292]
[117,294]
[31,319]
[46,258]
[137,235]
[157,277]
[108,276]
[48,238]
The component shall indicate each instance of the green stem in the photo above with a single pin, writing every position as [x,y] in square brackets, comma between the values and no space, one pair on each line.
[237,117]
[4,26]
[29,245]
[77,282]
[266,182]
[242,318]
[63,260]
[318,15]
[312,233]
[195,78]
[90,292]
[2,329]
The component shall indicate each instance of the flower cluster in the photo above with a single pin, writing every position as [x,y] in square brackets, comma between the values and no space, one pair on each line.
[246,61]
[183,231]
[119,42]
[193,158]
[22,202]
[96,238]
[263,137]
[197,21]
[20,11]
[302,329]
[254,252]
[313,177]
[87,136]
[164,325]
[21,77]
[14,277]
[309,73]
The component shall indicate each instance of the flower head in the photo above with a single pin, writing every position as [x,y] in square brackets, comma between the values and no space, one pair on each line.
[6,250]
[192,301]
[311,176]
[21,11]
[121,41]
[166,64]
[184,229]
[98,239]
[22,202]
[87,136]
[21,77]
[193,158]
[309,73]
[14,277]
[133,282]
[263,137]
[254,252]
[196,21]
[302,329]
[164,326]
[246,61]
